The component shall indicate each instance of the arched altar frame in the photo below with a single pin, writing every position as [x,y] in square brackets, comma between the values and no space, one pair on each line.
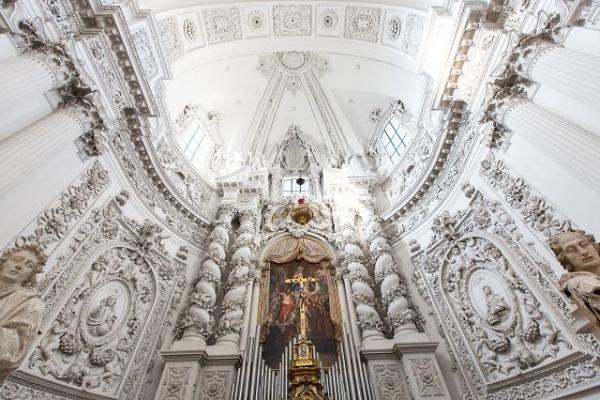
[328,257]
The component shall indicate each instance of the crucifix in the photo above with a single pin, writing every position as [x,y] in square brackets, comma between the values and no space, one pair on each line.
[300,280]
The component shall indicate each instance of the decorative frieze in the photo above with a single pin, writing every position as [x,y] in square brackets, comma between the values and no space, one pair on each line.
[411,42]
[362,23]
[57,221]
[293,20]
[171,41]
[222,24]
[535,210]
[145,51]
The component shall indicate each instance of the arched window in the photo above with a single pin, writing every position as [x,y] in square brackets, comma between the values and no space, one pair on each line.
[394,139]
[290,188]
[196,144]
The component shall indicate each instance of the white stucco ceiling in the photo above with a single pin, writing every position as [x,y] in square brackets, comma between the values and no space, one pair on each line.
[216,68]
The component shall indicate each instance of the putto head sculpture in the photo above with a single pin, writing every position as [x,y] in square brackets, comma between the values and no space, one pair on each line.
[578,252]
[20,306]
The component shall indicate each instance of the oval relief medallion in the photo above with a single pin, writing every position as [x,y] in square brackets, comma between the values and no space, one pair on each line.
[490,298]
[106,313]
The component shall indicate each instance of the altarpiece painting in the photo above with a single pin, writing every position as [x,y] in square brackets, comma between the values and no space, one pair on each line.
[289,261]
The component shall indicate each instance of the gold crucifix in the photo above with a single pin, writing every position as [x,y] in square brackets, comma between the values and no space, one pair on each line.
[300,280]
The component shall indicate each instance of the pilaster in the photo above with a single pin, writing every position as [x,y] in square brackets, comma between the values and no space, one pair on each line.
[407,370]
[180,373]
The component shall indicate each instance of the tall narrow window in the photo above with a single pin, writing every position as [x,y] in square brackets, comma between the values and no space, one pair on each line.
[394,139]
[195,144]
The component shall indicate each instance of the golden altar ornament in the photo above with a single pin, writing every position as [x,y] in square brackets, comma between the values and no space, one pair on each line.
[304,375]
[301,213]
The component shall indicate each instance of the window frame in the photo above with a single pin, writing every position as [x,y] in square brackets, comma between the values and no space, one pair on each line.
[195,143]
[292,192]
[394,139]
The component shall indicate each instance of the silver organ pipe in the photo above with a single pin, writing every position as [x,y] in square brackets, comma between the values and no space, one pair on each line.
[345,379]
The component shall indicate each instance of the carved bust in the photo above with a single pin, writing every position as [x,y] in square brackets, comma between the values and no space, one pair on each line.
[20,305]
[579,253]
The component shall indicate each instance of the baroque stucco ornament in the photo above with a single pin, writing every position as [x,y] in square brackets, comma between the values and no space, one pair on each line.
[280,216]
[478,275]
[579,254]
[295,153]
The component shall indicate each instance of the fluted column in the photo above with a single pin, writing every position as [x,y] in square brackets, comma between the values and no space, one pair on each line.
[42,66]
[393,287]
[243,273]
[29,148]
[22,77]
[360,282]
[570,72]
[569,145]
[197,324]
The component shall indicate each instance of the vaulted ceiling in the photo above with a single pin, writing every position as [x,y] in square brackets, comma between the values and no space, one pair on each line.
[323,66]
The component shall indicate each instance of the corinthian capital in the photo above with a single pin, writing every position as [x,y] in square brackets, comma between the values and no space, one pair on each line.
[52,55]
[505,90]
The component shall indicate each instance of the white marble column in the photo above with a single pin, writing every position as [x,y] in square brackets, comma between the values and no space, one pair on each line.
[392,283]
[235,307]
[29,148]
[197,326]
[361,291]
[24,76]
[24,80]
[570,72]
[572,147]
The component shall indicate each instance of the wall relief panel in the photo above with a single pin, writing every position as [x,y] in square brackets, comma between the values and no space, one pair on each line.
[115,283]
[502,316]
[90,343]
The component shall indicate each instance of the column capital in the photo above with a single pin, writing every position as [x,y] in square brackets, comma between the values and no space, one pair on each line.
[52,55]
[506,92]
[526,54]
[531,45]
[77,103]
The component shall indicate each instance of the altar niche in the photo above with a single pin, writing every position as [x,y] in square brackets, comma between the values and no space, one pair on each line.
[280,311]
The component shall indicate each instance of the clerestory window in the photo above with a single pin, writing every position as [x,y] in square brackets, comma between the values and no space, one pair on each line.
[394,139]
[196,144]
[290,188]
